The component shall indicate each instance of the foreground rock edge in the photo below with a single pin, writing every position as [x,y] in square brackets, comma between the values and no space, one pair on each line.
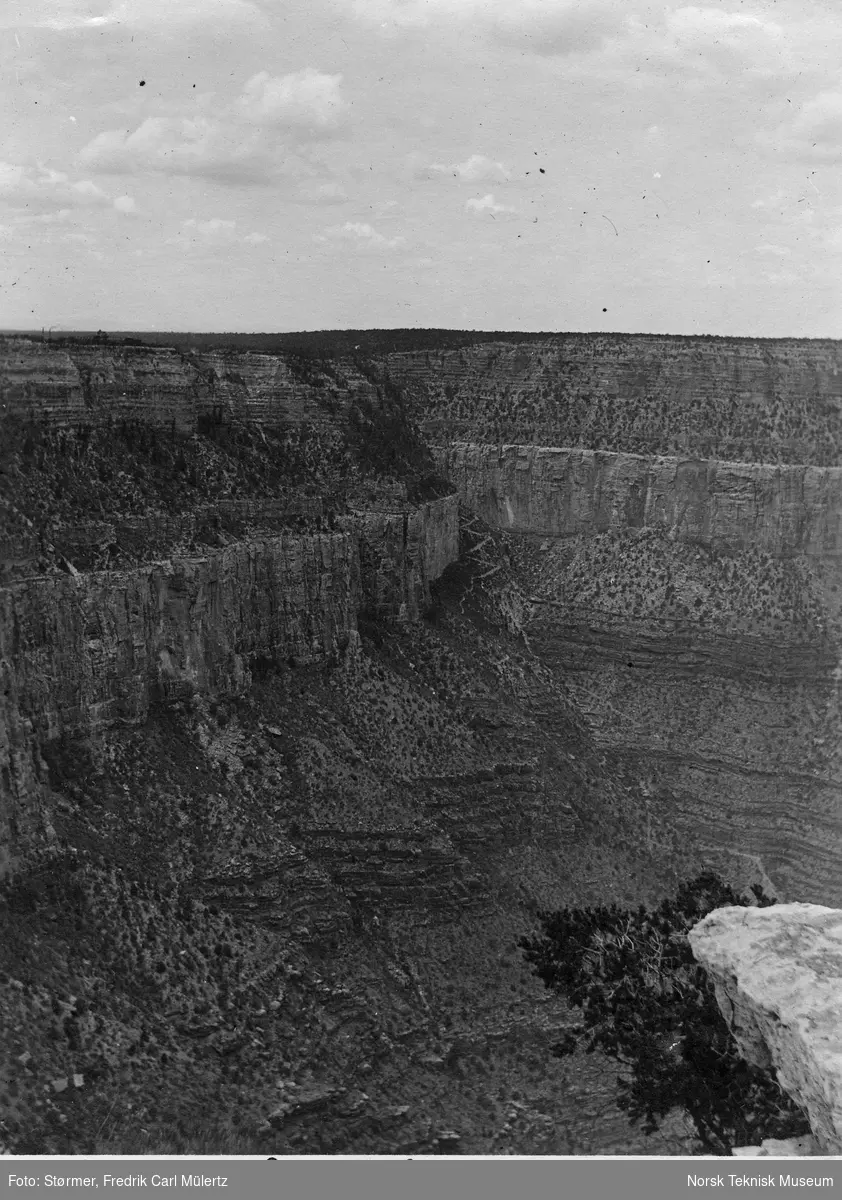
[777,973]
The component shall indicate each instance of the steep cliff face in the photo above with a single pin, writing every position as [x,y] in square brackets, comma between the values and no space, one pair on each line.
[81,652]
[403,552]
[81,383]
[786,510]
[775,400]
[304,898]
[778,978]
[695,607]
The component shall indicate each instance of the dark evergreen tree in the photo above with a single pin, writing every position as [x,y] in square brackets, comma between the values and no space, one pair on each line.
[647,1002]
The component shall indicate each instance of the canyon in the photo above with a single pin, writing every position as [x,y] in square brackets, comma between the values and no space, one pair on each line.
[327,674]
[695,606]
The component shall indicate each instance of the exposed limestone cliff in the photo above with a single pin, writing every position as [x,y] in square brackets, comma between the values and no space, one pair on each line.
[80,383]
[695,606]
[742,399]
[403,552]
[778,978]
[80,652]
[314,889]
[771,400]
[785,510]
[83,652]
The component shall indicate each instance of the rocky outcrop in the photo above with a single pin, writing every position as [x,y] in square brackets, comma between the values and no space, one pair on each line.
[695,607]
[95,648]
[77,383]
[785,510]
[82,651]
[804,1147]
[778,978]
[742,399]
[401,553]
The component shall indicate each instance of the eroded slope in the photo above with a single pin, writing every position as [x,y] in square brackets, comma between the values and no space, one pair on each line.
[305,901]
[749,400]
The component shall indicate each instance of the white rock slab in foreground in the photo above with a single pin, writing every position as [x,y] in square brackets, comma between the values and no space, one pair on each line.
[779,1148]
[778,978]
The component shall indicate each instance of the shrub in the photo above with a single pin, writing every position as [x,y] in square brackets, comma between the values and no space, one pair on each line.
[646,1002]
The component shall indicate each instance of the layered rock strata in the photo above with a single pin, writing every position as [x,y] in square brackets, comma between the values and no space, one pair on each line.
[770,400]
[80,652]
[785,510]
[82,383]
[744,399]
[695,608]
[778,978]
[402,552]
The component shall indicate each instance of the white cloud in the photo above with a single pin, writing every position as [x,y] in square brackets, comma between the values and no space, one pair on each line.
[816,131]
[787,278]
[262,136]
[61,217]
[174,145]
[543,26]
[210,228]
[34,190]
[711,25]
[306,100]
[472,170]
[487,204]
[360,234]
[645,38]
[698,44]
[771,248]
[89,192]
[213,233]
[61,15]
[771,201]
[324,193]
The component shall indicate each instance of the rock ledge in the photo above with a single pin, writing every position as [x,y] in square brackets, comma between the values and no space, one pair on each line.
[778,978]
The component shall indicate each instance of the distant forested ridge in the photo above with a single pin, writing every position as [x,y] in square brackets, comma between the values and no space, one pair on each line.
[339,343]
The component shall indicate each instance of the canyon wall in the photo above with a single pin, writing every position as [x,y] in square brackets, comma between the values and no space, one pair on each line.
[778,978]
[786,510]
[680,666]
[117,603]
[693,599]
[743,399]
[402,552]
[694,606]
[81,651]
[83,383]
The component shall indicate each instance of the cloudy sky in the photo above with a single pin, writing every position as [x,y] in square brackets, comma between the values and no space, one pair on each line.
[485,164]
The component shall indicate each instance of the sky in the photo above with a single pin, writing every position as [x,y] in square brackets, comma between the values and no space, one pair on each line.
[259,165]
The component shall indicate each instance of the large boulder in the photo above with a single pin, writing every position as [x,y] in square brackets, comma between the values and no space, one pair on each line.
[778,977]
